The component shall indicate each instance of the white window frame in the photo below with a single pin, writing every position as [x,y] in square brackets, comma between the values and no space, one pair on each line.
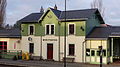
[74,49]
[49,29]
[74,28]
[29,29]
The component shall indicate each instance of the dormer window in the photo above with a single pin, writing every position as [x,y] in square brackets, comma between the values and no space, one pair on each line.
[31,30]
[50,29]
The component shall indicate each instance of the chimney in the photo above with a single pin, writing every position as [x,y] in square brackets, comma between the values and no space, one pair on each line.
[55,7]
[41,10]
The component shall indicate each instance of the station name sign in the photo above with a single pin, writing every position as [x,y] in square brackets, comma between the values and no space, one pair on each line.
[49,39]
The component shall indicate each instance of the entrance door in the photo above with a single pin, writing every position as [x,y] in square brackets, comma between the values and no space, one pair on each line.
[49,51]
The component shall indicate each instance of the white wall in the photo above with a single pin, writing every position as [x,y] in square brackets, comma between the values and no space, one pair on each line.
[77,40]
[79,51]
[25,44]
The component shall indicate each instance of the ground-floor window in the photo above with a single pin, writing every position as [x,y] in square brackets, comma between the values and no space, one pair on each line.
[71,49]
[87,52]
[92,53]
[31,47]
[95,52]
[3,45]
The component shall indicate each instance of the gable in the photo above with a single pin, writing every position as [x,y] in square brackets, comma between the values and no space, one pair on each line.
[50,13]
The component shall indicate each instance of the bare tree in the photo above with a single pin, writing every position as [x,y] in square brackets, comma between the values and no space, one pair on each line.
[3,4]
[99,5]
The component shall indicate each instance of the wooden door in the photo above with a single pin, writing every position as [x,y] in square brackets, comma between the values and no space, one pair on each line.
[49,51]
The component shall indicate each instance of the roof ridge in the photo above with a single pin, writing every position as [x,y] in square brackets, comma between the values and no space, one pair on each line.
[81,10]
[54,9]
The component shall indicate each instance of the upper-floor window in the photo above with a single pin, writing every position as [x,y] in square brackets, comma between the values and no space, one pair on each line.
[31,30]
[71,29]
[50,29]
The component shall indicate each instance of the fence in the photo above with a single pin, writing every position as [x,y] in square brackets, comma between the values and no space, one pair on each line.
[10,54]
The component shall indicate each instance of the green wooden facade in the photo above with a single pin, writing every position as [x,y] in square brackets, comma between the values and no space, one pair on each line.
[87,25]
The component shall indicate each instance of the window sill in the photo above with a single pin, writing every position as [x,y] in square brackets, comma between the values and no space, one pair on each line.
[71,55]
[31,34]
[71,34]
[49,34]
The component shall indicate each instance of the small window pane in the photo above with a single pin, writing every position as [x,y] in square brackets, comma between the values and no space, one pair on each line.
[5,43]
[104,52]
[98,53]
[92,53]
[52,29]
[47,29]
[5,47]
[87,52]
[1,47]
[1,43]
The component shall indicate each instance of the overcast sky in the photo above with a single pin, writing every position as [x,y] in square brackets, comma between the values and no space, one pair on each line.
[17,9]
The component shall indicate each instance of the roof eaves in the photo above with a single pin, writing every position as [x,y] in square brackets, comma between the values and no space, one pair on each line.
[10,36]
[96,38]
[30,22]
[113,36]
[81,19]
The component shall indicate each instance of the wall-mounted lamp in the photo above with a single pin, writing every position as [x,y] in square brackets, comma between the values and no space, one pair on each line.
[82,28]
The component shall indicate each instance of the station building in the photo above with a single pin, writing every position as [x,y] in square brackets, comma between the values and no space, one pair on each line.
[42,35]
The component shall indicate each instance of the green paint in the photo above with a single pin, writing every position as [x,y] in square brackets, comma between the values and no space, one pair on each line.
[50,18]
[79,30]
[24,31]
[91,23]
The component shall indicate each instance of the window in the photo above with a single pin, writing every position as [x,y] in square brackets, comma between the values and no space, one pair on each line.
[31,30]
[50,29]
[92,53]
[47,29]
[104,53]
[71,29]
[3,45]
[71,49]
[87,52]
[31,48]
[98,53]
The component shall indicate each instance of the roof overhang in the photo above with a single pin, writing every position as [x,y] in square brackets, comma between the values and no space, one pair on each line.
[29,22]
[81,19]
[96,38]
[10,36]
[114,36]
